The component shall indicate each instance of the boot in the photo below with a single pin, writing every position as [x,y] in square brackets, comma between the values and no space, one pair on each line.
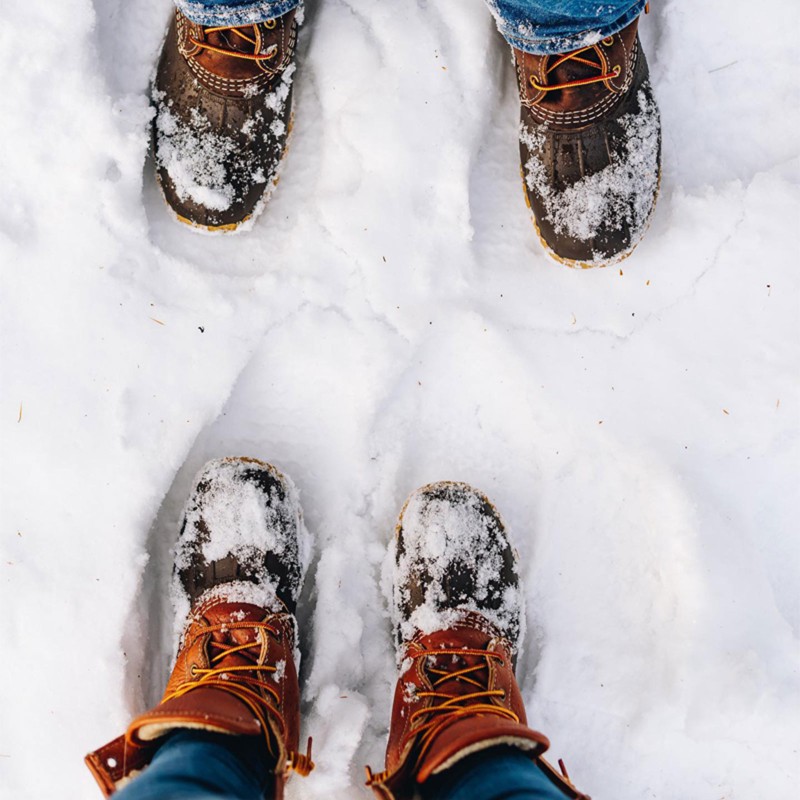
[458,619]
[223,100]
[590,144]
[238,572]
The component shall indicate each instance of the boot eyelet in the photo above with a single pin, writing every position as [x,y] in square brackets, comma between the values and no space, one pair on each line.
[608,41]
[193,670]
[616,71]
[270,24]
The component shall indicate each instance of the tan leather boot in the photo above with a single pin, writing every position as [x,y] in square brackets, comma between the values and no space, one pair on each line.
[239,562]
[590,144]
[458,614]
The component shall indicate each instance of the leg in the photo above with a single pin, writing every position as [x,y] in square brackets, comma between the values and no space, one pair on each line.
[547,27]
[498,774]
[195,765]
[590,132]
[458,721]
[214,13]
[233,699]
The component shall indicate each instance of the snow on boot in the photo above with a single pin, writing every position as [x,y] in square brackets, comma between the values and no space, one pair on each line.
[223,113]
[459,617]
[239,566]
[590,143]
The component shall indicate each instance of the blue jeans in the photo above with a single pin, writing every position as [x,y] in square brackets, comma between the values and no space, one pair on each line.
[193,765]
[536,26]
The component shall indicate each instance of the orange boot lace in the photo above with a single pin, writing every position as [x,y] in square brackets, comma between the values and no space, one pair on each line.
[600,65]
[580,56]
[230,41]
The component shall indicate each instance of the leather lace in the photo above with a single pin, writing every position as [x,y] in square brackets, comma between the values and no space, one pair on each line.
[454,703]
[239,680]
[600,66]
[253,38]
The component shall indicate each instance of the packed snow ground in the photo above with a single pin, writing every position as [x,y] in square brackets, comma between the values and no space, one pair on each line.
[392,320]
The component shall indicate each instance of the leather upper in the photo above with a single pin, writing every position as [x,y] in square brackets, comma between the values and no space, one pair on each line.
[577,106]
[226,74]
[423,741]
[188,703]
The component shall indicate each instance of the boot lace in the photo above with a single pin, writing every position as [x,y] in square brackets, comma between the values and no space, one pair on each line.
[578,56]
[243,682]
[460,692]
[248,33]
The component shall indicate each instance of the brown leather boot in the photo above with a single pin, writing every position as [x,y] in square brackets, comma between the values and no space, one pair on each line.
[223,100]
[458,614]
[590,143]
[239,564]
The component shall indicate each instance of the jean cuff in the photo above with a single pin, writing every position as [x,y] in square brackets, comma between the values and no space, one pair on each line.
[234,15]
[543,41]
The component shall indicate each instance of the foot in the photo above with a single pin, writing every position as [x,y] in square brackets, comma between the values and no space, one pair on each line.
[223,103]
[239,566]
[452,556]
[458,619]
[242,534]
[590,143]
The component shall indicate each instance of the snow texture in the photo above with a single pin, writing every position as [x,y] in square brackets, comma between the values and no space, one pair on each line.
[391,320]
[194,157]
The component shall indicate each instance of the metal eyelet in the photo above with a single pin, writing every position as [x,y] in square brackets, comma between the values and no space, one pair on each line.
[193,670]
[608,41]
[270,24]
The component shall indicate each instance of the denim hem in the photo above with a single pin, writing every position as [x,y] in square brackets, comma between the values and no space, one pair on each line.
[556,42]
[234,15]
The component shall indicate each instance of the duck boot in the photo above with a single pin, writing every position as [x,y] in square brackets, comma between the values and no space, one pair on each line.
[458,618]
[590,144]
[223,100]
[238,572]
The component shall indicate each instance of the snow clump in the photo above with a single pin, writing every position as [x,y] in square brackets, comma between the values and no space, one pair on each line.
[194,157]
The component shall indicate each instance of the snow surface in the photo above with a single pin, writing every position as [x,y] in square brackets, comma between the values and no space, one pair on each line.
[391,320]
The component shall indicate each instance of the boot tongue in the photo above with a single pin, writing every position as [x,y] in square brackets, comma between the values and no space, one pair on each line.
[228,39]
[450,663]
[572,69]
[458,638]
[230,66]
